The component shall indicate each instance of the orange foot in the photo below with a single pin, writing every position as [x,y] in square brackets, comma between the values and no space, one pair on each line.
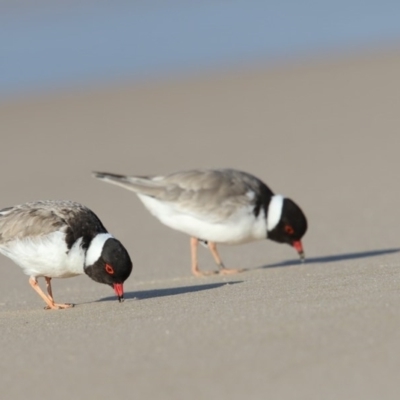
[57,306]
[204,273]
[228,271]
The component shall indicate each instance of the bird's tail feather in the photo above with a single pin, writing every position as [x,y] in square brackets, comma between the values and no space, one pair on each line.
[139,185]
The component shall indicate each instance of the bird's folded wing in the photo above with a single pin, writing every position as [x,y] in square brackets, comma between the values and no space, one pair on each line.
[213,195]
[23,222]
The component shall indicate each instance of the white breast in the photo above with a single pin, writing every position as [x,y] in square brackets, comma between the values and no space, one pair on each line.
[240,227]
[46,256]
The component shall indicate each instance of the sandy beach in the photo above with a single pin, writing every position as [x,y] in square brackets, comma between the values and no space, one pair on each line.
[325,133]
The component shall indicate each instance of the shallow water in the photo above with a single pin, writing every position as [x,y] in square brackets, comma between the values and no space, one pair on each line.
[57,44]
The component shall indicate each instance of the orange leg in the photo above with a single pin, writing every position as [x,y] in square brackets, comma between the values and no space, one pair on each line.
[50,292]
[195,267]
[222,270]
[33,282]
[48,300]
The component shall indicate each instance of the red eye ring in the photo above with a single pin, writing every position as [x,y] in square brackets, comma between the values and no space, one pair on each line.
[289,230]
[109,269]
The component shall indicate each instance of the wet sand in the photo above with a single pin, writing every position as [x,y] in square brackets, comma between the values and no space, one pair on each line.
[323,133]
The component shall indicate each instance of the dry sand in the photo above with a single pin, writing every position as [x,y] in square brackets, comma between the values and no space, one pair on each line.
[323,133]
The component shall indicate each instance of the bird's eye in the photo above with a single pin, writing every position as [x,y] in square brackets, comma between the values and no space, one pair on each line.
[109,269]
[289,230]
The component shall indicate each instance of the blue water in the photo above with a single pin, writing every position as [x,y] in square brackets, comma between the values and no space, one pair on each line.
[60,44]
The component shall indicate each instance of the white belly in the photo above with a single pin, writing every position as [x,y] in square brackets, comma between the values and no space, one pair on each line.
[241,227]
[46,256]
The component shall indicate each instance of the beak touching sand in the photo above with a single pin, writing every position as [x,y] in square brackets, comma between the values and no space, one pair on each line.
[299,247]
[119,291]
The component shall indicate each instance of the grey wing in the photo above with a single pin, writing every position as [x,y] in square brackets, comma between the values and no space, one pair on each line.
[34,219]
[44,217]
[212,194]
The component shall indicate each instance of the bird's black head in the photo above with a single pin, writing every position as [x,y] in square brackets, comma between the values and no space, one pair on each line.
[107,261]
[291,225]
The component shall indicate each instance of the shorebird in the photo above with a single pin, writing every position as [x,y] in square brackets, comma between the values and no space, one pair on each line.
[61,239]
[217,206]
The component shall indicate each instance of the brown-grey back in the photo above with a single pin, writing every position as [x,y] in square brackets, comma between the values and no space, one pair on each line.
[217,192]
[214,194]
[37,218]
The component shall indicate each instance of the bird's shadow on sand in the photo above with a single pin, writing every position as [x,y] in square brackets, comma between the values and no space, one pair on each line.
[332,258]
[149,294]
